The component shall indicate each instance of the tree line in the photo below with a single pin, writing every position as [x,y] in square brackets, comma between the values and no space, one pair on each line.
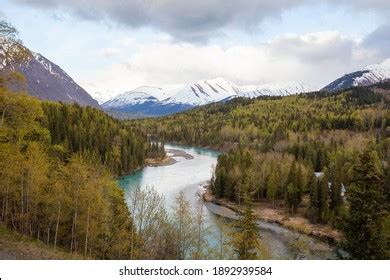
[90,131]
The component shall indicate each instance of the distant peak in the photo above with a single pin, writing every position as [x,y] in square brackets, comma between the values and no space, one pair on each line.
[369,75]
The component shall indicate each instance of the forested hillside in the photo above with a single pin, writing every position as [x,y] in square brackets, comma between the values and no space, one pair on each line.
[59,196]
[57,186]
[55,179]
[315,151]
[88,131]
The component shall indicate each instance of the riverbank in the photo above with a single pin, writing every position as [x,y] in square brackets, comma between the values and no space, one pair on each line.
[160,162]
[178,153]
[169,159]
[218,148]
[266,212]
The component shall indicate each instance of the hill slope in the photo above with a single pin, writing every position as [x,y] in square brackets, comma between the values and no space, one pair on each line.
[14,246]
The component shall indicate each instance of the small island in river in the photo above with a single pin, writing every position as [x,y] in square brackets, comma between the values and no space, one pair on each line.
[169,159]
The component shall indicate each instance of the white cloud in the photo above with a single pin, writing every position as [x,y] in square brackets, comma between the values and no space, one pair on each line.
[313,47]
[110,52]
[194,20]
[186,20]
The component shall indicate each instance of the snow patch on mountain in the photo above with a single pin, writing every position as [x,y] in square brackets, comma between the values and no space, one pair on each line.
[128,98]
[203,92]
[274,89]
[369,75]
[375,74]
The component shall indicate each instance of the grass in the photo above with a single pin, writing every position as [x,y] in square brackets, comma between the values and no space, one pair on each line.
[14,245]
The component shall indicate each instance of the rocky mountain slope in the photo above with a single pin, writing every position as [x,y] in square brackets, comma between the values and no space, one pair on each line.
[369,75]
[45,79]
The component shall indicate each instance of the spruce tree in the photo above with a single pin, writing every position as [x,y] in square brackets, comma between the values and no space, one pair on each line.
[323,198]
[245,240]
[313,194]
[294,188]
[364,226]
[335,187]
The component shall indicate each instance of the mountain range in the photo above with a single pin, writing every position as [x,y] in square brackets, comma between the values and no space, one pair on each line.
[45,79]
[48,81]
[157,101]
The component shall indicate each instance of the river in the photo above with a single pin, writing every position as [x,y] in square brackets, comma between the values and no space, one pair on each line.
[189,174]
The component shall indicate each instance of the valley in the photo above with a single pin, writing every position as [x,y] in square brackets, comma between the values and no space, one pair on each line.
[207,169]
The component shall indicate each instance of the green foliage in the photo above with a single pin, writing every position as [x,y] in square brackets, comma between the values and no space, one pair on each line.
[323,198]
[313,196]
[246,239]
[155,150]
[11,49]
[364,227]
[294,188]
[88,131]
[62,196]
[263,124]
[362,96]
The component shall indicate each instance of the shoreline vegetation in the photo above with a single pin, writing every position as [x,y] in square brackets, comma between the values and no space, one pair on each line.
[264,211]
[169,159]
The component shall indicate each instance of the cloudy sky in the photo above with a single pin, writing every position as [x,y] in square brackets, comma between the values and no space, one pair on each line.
[118,45]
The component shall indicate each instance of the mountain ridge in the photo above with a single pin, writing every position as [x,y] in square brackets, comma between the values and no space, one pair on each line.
[45,79]
[164,100]
[366,76]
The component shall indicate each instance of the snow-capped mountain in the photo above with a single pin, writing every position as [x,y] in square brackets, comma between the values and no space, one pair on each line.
[272,89]
[203,92]
[132,97]
[369,75]
[157,101]
[45,79]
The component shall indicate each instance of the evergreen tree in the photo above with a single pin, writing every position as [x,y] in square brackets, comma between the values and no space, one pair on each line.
[294,188]
[335,191]
[323,198]
[272,186]
[313,194]
[245,239]
[364,226]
